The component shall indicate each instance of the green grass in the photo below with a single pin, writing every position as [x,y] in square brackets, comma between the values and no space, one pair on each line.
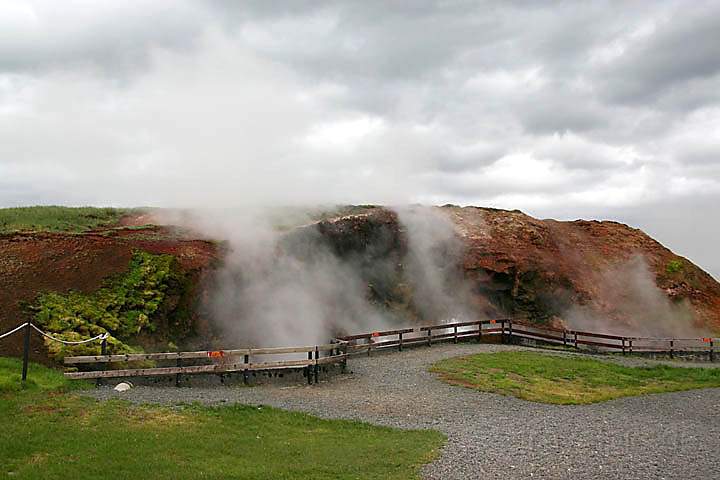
[40,378]
[567,380]
[46,434]
[57,219]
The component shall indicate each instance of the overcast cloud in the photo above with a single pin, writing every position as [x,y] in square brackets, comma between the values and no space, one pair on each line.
[561,109]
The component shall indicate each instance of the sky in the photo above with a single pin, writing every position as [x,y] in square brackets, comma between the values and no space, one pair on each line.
[605,110]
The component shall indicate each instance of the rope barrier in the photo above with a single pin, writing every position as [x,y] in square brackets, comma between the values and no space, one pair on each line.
[102,336]
[13,330]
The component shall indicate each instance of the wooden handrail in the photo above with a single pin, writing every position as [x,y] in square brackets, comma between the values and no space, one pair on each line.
[226,360]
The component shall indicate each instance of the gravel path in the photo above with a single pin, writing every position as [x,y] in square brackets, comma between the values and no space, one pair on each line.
[674,435]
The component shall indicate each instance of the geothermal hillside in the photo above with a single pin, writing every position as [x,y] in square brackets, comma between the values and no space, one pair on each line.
[220,282]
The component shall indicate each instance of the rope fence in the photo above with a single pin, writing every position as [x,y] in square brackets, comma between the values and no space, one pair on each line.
[28,326]
[102,336]
[7,334]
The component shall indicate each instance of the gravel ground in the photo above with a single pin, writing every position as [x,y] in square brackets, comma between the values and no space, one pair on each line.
[674,435]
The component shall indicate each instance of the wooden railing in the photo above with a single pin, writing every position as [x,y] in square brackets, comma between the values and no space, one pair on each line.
[476,329]
[254,359]
[624,344]
[214,361]
[517,328]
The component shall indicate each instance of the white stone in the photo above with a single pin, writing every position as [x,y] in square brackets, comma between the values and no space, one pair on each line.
[123,386]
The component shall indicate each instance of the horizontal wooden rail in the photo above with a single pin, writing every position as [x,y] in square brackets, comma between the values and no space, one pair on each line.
[219,368]
[383,333]
[136,357]
[234,360]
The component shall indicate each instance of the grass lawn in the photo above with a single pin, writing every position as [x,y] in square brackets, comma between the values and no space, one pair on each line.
[46,431]
[567,380]
[57,219]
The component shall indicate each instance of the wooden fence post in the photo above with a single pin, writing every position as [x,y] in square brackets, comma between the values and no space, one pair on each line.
[246,361]
[26,351]
[623,345]
[308,369]
[631,346]
[370,341]
[510,334]
[317,367]
[479,338]
[575,339]
[400,343]
[672,349]
[429,337]
[455,333]
[712,351]
[502,332]
[178,363]
[564,338]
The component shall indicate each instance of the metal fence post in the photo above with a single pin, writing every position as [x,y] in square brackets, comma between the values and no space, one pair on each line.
[103,352]
[26,351]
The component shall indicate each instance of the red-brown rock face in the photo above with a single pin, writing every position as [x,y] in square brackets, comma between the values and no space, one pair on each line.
[589,274]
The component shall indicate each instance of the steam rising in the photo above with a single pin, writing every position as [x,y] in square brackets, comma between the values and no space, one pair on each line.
[434,265]
[286,279]
[294,276]
[632,304]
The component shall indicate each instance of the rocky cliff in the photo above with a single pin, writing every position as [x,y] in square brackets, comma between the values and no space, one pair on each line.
[584,274]
[415,265]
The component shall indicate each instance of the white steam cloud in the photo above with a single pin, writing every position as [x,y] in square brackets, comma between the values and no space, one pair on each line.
[287,279]
[627,301]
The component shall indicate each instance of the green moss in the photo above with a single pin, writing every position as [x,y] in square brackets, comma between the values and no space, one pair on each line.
[674,266]
[124,307]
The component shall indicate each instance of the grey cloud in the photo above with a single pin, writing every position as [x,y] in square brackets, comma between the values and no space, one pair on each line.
[560,111]
[684,48]
[115,39]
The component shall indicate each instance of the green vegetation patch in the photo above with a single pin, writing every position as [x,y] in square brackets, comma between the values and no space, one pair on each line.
[57,219]
[567,380]
[674,266]
[124,307]
[40,378]
[45,434]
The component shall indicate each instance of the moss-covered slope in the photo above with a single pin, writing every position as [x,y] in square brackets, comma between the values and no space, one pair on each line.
[126,306]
